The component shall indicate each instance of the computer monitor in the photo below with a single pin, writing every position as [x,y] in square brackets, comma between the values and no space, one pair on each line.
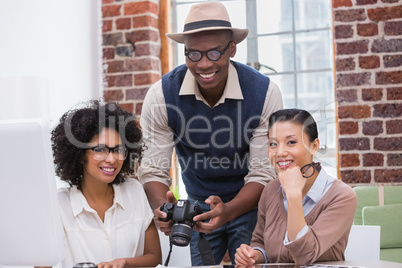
[31,232]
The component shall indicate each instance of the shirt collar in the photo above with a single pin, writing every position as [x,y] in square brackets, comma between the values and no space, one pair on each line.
[317,189]
[232,89]
[79,202]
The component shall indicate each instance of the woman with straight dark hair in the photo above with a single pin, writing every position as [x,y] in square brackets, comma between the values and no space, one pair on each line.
[306,215]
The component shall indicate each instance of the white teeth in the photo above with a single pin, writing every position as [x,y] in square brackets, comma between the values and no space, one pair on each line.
[207,75]
[108,169]
[284,163]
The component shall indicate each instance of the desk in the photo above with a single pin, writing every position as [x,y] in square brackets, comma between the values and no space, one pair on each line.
[337,264]
[366,264]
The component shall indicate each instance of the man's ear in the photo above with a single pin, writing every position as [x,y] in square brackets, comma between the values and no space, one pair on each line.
[233,49]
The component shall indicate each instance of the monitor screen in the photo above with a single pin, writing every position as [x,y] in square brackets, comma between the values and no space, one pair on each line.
[31,232]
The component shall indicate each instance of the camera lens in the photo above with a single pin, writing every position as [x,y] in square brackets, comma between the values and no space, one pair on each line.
[181,234]
[85,264]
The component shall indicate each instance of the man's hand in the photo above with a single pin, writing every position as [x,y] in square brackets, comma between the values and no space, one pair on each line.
[218,216]
[165,227]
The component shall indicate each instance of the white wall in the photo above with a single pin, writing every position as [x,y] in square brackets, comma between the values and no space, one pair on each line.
[50,56]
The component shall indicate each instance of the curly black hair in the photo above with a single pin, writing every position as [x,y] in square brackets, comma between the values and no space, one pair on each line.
[76,129]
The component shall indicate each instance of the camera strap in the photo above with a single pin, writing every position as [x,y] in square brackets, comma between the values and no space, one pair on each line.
[170,252]
[205,251]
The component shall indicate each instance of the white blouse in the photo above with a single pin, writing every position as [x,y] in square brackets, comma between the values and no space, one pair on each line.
[121,235]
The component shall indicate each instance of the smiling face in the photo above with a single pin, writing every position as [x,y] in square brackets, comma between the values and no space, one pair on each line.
[104,171]
[289,146]
[210,75]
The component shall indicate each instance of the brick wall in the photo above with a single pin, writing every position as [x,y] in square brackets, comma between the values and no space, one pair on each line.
[368,60]
[131,48]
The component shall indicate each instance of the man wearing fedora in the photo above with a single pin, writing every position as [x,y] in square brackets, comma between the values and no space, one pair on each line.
[214,112]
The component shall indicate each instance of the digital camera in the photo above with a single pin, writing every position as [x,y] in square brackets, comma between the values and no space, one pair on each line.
[182,214]
[85,264]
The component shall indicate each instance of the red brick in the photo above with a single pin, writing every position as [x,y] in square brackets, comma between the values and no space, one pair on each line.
[146,78]
[349,160]
[366,2]
[343,31]
[386,13]
[140,8]
[350,15]
[393,27]
[348,128]
[347,64]
[386,45]
[369,62]
[372,94]
[123,23]
[394,160]
[142,35]
[107,2]
[113,95]
[108,53]
[357,111]
[352,79]
[119,80]
[107,25]
[347,95]
[384,78]
[388,144]
[112,39]
[356,47]
[136,93]
[372,128]
[115,66]
[373,160]
[111,11]
[393,126]
[367,29]
[356,176]
[145,21]
[354,144]
[387,110]
[129,107]
[341,3]
[147,49]
[394,93]
[392,61]
[138,108]
[142,64]
[388,175]
[390,1]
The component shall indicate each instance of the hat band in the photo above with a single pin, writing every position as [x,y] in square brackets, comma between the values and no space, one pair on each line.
[206,24]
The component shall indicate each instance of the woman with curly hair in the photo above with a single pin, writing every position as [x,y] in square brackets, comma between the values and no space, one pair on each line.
[106,215]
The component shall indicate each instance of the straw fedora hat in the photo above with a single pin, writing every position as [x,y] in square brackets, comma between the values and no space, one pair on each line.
[208,16]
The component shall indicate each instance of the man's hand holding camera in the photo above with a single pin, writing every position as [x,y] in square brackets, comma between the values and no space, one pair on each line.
[217,216]
[164,226]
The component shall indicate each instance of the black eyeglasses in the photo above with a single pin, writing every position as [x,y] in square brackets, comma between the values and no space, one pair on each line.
[213,54]
[309,169]
[101,152]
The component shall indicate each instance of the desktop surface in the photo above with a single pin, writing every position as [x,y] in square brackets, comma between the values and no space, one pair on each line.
[336,264]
